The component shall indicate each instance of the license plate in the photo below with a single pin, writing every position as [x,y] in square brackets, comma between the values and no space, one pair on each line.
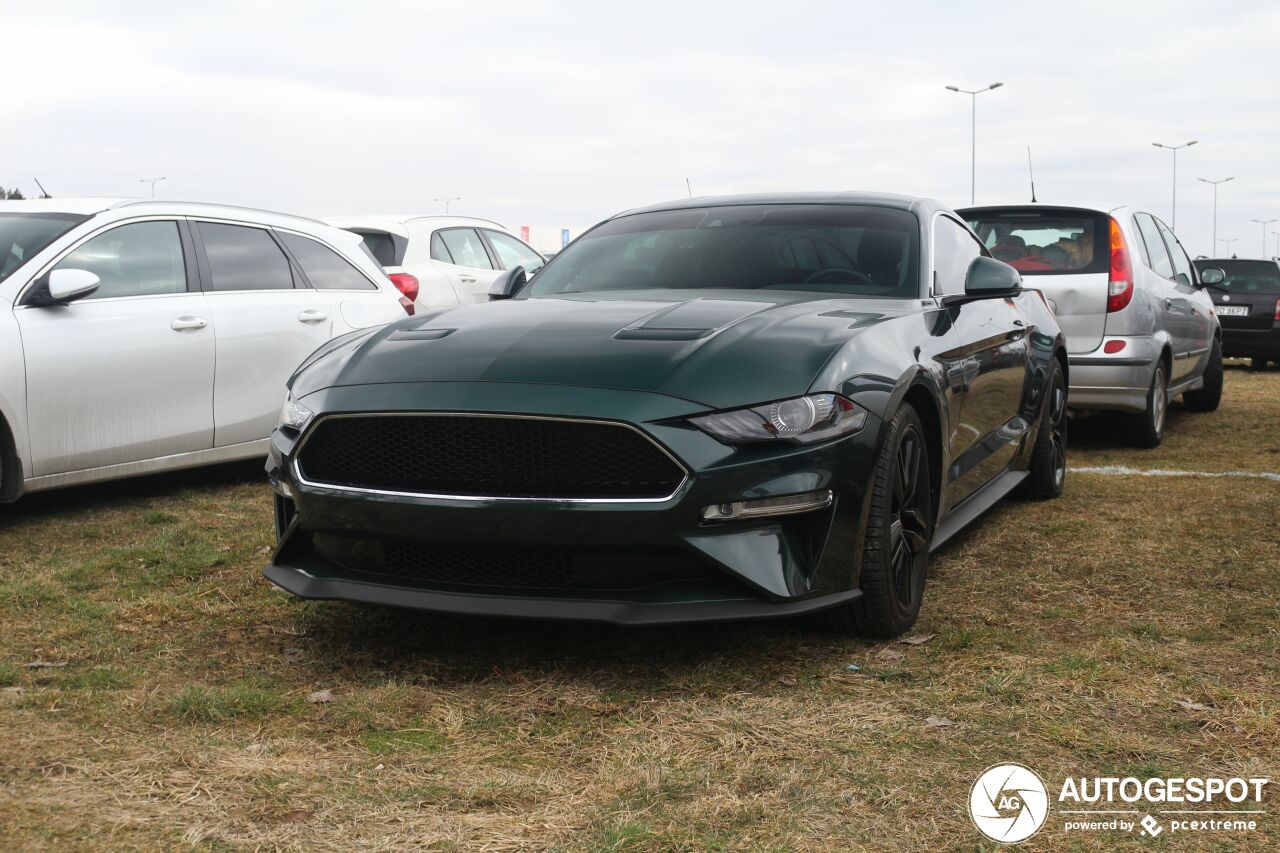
[1232,310]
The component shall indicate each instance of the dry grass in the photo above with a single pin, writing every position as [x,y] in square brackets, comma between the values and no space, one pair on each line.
[1064,636]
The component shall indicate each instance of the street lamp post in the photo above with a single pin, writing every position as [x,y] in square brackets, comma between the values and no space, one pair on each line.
[1174,149]
[153,182]
[1276,234]
[1228,241]
[1215,205]
[1264,223]
[973,133]
[446,201]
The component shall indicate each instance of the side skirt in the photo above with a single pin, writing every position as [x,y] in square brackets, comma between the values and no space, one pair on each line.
[194,459]
[975,505]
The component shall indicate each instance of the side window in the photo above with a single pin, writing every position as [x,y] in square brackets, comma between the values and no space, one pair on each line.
[325,268]
[465,247]
[1161,264]
[139,259]
[954,249]
[439,251]
[1181,263]
[513,253]
[244,258]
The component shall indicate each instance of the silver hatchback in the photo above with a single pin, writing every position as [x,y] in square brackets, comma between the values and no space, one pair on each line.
[1140,328]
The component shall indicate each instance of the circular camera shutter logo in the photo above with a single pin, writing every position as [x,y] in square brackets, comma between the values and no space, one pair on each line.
[1008,803]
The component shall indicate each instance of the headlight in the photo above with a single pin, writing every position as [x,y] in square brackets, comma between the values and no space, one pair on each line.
[294,415]
[801,420]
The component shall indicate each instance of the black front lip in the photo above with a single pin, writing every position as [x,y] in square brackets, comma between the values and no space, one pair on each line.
[299,582]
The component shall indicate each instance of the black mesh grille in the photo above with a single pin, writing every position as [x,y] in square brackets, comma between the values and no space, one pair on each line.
[488,457]
[448,567]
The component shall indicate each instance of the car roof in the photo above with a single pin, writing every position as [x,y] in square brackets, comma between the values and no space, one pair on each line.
[81,206]
[144,207]
[1046,205]
[379,220]
[872,199]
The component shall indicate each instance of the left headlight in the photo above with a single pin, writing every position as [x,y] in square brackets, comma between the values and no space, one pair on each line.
[294,415]
[801,420]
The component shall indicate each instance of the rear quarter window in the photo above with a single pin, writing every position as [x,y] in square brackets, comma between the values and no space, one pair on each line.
[1043,241]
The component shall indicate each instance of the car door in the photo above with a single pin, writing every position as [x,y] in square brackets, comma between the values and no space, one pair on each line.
[1191,309]
[466,262]
[511,252]
[355,301]
[124,374]
[1171,308]
[985,359]
[267,321]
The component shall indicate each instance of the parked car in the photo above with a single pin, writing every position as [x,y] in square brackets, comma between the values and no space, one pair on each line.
[440,261]
[140,336]
[1140,328]
[710,409]
[1248,306]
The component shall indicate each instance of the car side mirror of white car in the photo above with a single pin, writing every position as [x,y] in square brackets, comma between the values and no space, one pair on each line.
[507,285]
[64,285]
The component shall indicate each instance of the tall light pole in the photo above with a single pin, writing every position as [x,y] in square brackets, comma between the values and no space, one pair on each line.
[153,182]
[1228,241]
[1276,234]
[445,202]
[1215,205]
[973,134]
[1264,223]
[1174,149]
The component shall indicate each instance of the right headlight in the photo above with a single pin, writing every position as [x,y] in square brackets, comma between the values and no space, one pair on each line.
[800,420]
[294,415]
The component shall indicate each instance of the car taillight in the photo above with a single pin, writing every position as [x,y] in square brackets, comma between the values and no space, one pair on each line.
[1111,347]
[1120,285]
[407,304]
[406,284]
[1277,317]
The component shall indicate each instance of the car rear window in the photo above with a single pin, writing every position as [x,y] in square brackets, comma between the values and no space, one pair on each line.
[23,235]
[387,249]
[1247,276]
[1040,241]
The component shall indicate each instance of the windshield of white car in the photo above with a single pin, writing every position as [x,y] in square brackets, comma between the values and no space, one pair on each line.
[23,235]
[845,249]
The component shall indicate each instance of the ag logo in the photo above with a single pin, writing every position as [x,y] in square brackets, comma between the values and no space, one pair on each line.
[1008,803]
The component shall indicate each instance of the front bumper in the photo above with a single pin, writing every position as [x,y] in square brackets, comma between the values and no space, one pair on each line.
[337,544]
[1114,381]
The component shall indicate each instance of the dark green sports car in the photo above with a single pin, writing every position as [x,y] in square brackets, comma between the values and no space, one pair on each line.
[709,409]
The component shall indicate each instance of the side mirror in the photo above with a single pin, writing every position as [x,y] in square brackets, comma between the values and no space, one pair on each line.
[988,278]
[507,285]
[64,285]
[1212,276]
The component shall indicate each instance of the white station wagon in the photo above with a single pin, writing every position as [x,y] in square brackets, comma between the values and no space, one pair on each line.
[140,336]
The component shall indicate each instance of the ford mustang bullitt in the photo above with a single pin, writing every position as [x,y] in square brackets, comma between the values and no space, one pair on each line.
[712,409]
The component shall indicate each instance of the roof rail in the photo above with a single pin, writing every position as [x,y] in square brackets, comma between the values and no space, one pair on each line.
[456,216]
[144,201]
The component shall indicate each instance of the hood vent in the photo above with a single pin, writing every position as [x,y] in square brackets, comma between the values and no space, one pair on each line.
[412,334]
[650,333]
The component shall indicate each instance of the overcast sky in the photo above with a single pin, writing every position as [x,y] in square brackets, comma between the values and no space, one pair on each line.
[561,113]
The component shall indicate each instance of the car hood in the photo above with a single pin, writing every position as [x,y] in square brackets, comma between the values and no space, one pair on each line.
[721,350]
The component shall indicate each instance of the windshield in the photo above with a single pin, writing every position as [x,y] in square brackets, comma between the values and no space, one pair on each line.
[1247,276]
[22,235]
[1037,241]
[845,249]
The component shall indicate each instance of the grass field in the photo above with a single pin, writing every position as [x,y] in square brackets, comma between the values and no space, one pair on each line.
[1131,628]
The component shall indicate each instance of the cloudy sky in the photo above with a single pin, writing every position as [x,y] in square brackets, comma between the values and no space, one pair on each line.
[561,113]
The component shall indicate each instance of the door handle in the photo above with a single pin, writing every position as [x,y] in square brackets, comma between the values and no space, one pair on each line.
[466,280]
[1168,303]
[182,323]
[312,316]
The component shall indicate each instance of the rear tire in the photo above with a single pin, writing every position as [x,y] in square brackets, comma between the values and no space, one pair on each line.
[1148,427]
[1048,471]
[895,554]
[1207,398]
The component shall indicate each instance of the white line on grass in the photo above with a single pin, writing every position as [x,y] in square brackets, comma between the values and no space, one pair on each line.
[1123,470]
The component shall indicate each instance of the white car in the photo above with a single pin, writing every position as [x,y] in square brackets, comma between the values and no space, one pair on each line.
[439,261]
[140,336]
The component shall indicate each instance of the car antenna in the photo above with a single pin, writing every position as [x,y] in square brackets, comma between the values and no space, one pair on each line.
[1032,173]
[43,192]
[688,187]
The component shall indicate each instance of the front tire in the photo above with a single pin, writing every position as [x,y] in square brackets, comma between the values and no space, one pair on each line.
[895,555]
[1148,427]
[1207,398]
[1048,471]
